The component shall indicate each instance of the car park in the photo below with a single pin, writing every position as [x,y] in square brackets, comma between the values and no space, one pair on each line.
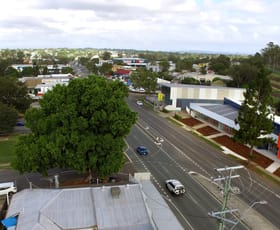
[175,186]
[7,188]
[142,150]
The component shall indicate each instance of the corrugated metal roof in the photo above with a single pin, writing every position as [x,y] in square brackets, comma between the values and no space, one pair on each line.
[126,211]
[27,205]
[223,110]
[80,208]
[71,203]
[217,112]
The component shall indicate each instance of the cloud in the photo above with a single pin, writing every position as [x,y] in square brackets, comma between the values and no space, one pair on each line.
[232,25]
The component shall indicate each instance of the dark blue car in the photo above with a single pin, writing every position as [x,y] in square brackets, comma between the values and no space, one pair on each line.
[142,150]
[20,123]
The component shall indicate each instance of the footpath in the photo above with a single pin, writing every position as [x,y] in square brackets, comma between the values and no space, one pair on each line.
[247,214]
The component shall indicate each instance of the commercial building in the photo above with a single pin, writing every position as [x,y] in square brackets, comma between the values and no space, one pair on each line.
[218,106]
[223,115]
[179,96]
[136,62]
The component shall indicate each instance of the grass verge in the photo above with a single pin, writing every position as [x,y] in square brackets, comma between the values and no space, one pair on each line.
[7,150]
[210,142]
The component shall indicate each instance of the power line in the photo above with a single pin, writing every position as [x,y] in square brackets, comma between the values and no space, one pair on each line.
[221,215]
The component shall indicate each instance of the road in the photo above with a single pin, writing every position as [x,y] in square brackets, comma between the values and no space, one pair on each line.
[191,208]
[190,153]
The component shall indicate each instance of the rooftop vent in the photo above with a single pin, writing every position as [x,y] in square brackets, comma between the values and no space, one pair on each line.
[115,192]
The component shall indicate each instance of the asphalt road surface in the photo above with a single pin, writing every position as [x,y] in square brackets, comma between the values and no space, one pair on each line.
[191,153]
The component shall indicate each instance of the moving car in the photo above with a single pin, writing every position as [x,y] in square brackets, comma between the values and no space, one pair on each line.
[142,150]
[20,123]
[175,186]
[7,188]
[139,103]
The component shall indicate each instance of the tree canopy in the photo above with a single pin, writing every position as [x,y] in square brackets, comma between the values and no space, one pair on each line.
[8,117]
[164,66]
[190,81]
[80,126]
[220,64]
[144,78]
[271,55]
[255,117]
[14,93]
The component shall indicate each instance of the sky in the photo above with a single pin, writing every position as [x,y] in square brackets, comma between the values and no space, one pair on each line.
[226,26]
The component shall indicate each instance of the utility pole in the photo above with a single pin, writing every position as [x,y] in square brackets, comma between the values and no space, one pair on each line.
[221,215]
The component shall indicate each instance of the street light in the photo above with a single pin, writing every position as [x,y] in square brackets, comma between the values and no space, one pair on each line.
[248,209]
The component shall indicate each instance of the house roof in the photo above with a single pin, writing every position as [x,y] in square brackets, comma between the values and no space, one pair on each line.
[78,208]
[122,72]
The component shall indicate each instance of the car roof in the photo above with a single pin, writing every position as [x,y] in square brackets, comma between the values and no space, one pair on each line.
[6,184]
[173,181]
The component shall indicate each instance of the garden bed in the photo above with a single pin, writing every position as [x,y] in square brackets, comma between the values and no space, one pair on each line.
[277,172]
[243,150]
[207,131]
[190,121]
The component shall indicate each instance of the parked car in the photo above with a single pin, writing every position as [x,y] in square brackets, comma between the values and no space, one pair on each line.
[175,186]
[7,188]
[140,103]
[142,150]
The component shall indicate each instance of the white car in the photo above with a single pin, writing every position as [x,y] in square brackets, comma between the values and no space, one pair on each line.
[7,188]
[139,103]
[175,186]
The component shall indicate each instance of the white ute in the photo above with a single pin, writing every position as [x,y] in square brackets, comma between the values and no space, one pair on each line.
[7,188]
[175,186]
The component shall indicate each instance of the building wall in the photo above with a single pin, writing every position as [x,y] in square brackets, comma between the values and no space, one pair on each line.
[203,93]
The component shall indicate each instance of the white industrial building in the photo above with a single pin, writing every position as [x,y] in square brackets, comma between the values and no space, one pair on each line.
[179,96]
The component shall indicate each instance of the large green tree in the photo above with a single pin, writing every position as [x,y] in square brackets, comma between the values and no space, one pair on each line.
[8,117]
[146,79]
[105,69]
[106,55]
[14,93]
[271,56]
[245,71]
[255,118]
[164,66]
[220,65]
[242,74]
[80,126]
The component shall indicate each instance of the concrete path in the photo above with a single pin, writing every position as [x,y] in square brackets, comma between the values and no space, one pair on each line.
[245,213]
[273,167]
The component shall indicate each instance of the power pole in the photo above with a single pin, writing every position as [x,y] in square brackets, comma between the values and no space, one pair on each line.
[221,215]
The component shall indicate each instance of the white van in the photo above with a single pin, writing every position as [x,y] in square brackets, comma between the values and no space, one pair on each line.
[7,188]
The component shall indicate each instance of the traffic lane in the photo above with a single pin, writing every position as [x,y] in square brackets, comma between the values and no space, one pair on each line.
[198,195]
[194,147]
[255,192]
[217,159]
[251,189]
[195,204]
[190,207]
